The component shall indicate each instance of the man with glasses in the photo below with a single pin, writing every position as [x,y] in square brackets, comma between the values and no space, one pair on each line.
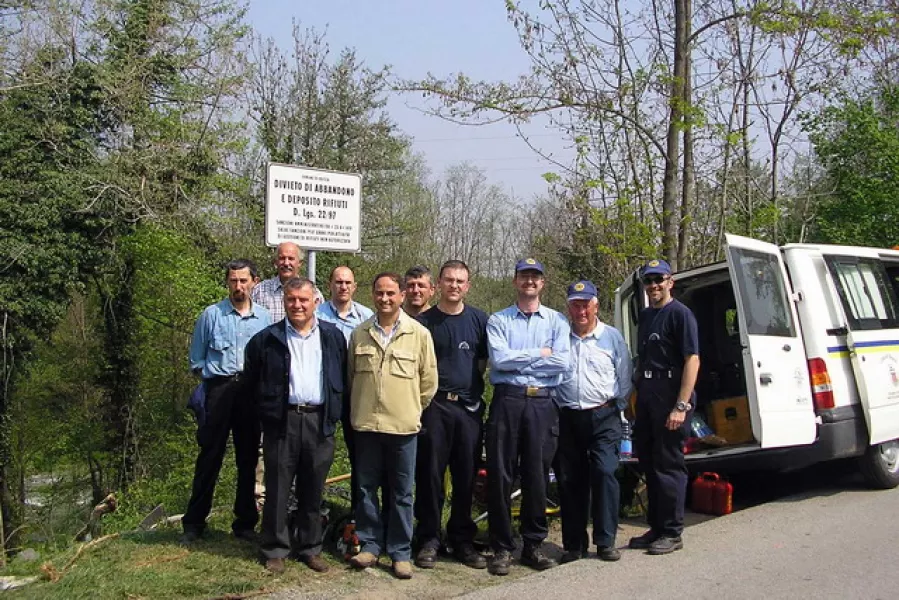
[667,367]
[529,347]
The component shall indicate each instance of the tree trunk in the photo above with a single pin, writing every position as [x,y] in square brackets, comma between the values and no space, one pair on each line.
[689,183]
[670,206]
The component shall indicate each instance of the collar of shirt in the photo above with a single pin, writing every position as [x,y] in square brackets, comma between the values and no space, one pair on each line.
[595,334]
[293,331]
[353,312]
[385,337]
[540,312]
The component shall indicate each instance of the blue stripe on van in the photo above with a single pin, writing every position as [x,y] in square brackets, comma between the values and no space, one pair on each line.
[877,343]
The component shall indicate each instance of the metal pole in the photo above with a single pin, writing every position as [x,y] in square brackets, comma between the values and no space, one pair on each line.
[310,265]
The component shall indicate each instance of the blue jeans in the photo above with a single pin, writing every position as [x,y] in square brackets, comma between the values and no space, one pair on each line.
[385,461]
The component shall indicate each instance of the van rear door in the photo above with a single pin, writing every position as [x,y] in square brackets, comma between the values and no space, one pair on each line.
[872,311]
[774,360]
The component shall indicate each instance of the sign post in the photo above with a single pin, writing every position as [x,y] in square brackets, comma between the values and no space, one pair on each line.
[314,208]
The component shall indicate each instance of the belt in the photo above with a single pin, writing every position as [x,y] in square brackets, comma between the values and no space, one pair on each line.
[592,408]
[226,378]
[659,374]
[450,396]
[304,408]
[530,391]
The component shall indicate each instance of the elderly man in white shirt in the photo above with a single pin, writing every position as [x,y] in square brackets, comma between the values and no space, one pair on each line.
[592,396]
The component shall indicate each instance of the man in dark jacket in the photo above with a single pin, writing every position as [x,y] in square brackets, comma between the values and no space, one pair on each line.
[296,371]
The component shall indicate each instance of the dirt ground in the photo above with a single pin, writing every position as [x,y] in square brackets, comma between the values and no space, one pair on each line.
[447,580]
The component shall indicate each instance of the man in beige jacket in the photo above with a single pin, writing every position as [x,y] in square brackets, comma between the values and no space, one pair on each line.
[392,373]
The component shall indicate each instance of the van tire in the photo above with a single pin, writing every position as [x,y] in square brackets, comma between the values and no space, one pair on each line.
[880,465]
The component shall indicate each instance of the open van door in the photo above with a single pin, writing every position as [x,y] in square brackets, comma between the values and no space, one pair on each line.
[872,311]
[774,359]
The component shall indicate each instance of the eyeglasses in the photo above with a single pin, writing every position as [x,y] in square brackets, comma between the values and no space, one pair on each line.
[654,279]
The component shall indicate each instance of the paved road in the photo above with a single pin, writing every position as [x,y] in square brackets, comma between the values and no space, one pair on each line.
[829,540]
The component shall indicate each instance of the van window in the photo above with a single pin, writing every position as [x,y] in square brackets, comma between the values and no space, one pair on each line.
[761,288]
[865,292]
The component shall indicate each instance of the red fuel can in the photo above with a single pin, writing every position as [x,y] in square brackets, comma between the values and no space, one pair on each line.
[712,495]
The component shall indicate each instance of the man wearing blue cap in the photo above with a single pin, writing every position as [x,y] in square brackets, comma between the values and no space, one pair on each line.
[591,398]
[668,364]
[529,347]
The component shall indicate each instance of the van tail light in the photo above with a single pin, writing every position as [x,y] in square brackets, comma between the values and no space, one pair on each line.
[822,389]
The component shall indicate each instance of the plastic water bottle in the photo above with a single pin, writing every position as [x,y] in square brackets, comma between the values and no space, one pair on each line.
[626,448]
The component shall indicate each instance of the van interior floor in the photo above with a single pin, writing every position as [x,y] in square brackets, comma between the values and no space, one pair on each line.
[722,451]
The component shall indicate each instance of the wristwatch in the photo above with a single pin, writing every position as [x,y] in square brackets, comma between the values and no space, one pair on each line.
[682,406]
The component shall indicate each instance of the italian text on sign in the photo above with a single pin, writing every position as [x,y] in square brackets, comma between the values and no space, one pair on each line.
[316,209]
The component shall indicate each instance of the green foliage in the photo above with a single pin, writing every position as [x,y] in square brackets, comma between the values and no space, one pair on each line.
[858,142]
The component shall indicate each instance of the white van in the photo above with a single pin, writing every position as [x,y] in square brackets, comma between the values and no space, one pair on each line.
[809,334]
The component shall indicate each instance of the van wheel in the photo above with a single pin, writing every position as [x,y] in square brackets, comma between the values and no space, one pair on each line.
[880,465]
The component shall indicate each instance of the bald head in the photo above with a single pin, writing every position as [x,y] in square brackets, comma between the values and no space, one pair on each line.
[343,286]
[289,260]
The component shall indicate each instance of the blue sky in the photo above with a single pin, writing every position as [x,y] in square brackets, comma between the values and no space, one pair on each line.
[416,37]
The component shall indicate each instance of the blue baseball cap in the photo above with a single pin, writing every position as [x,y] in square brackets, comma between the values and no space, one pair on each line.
[529,264]
[581,290]
[655,267]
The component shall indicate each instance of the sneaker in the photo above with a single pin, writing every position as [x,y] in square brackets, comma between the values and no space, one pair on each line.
[468,556]
[364,560]
[276,566]
[642,542]
[426,558]
[572,555]
[316,563]
[402,569]
[536,559]
[501,563]
[666,545]
[608,553]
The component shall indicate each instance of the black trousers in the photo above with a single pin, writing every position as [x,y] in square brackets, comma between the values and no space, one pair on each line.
[522,433]
[588,459]
[303,454]
[661,455]
[450,437]
[228,410]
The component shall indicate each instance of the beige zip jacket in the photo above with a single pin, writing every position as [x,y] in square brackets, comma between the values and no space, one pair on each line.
[391,385]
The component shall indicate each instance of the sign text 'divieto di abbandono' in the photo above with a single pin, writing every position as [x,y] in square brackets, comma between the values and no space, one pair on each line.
[316,209]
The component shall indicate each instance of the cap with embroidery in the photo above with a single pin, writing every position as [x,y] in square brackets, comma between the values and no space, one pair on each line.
[655,267]
[529,264]
[581,290]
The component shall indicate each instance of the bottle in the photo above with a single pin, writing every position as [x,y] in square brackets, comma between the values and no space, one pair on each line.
[626,447]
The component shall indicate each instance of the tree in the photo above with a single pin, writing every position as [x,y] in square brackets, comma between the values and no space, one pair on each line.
[857,141]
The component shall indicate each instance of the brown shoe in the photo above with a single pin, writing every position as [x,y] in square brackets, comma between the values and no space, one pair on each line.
[275,566]
[364,560]
[402,569]
[316,563]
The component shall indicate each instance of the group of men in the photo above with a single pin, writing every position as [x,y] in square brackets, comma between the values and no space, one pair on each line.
[407,383]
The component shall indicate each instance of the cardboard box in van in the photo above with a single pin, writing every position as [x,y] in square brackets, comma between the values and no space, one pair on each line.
[729,417]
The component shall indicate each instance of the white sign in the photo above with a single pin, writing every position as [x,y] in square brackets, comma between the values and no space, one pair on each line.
[316,209]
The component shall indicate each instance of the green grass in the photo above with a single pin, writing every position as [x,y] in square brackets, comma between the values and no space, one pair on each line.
[153,565]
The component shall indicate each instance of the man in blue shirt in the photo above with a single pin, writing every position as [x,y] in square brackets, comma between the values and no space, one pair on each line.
[346,314]
[296,372]
[341,309]
[529,352]
[591,398]
[451,425]
[217,355]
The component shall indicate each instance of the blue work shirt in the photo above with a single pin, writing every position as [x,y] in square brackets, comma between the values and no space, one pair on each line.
[358,314]
[305,365]
[600,372]
[514,341]
[220,336]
